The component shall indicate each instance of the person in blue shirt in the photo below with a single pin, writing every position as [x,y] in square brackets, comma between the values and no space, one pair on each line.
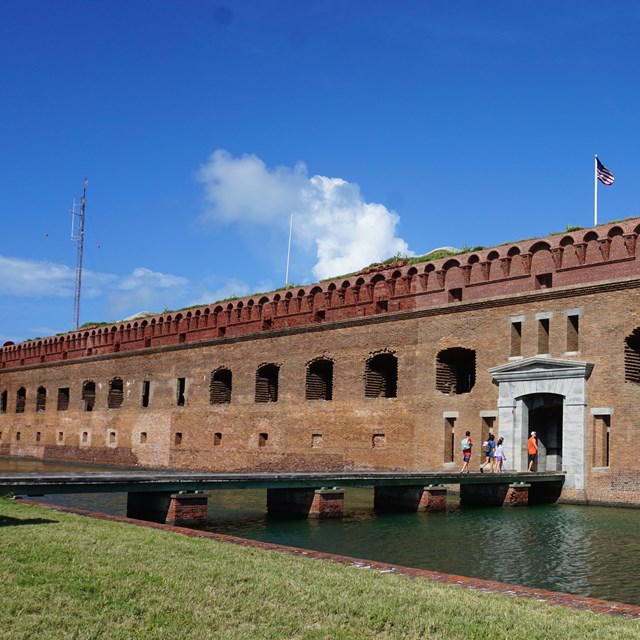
[488,448]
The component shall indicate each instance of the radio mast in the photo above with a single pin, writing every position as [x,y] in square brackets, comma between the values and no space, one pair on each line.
[77,236]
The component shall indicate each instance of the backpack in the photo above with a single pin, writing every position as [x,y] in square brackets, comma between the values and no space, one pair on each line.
[466,444]
[486,447]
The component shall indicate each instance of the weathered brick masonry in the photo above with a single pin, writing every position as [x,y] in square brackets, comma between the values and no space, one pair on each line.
[385,369]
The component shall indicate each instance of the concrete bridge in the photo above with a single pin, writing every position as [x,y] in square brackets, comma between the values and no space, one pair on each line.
[176,497]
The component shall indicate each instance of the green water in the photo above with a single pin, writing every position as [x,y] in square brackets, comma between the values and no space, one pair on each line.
[590,551]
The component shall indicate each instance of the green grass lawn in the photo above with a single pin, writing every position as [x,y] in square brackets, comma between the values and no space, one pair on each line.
[65,576]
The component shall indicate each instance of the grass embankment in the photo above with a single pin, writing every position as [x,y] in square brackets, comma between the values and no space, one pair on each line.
[66,576]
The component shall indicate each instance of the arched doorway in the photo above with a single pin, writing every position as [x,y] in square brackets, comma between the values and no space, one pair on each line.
[545,418]
[549,396]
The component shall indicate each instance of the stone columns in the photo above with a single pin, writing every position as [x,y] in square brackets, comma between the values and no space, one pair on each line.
[306,503]
[180,509]
[410,498]
[494,495]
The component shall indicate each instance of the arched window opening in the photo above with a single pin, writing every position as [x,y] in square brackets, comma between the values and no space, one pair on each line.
[632,357]
[455,370]
[381,376]
[319,385]
[220,387]
[4,397]
[267,383]
[116,393]
[89,395]
[41,399]
[21,400]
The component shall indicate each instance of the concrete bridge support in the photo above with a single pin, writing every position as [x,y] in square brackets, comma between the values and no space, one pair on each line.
[306,503]
[495,495]
[432,498]
[180,509]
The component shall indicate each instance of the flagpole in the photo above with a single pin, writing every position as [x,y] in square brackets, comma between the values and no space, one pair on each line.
[286,276]
[595,190]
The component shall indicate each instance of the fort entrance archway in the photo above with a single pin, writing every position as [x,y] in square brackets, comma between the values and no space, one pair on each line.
[545,418]
[549,396]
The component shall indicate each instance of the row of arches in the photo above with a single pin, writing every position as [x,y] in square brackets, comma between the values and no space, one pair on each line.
[455,373]
[372,288]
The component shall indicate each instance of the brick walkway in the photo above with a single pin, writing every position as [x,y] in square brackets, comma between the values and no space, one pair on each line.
[489,586]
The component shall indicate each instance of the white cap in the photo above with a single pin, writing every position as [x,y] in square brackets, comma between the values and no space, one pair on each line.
[533,433]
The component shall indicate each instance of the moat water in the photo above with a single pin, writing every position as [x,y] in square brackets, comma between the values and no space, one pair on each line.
[589,551]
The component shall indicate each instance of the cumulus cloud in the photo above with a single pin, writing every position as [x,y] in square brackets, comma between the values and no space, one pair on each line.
[330,214]
[26,278]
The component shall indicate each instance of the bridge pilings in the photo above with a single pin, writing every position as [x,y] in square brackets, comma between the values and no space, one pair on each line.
[306,503]
[432,498]
[181,509]
[495,495]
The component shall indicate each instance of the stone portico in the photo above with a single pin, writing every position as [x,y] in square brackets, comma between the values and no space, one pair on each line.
[527,384]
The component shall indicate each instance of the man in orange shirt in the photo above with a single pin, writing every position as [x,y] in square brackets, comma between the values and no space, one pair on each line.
[532,447]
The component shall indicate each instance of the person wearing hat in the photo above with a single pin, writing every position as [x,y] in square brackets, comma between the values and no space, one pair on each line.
[532,447]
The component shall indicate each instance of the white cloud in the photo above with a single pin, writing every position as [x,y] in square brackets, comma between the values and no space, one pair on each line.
[330,213]
[230,289]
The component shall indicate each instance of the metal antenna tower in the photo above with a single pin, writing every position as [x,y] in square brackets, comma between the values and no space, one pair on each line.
[77,236]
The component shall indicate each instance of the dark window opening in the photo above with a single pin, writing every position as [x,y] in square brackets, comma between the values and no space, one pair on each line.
[147,342]
[38,436]
[89,395]
[316,440]
[262,439]
[63,398]
[516,338]
[455,295]
[182,337]
[573,331]
[267,383]
[4,398]
[146,392]
[116,393]
[85,436]
[267,323]
[456,371]
[382,306]
[222,331]
[220,387]
[177,440]
[488,424]
[543,335]
[449,439]
[180,391]
[60,436]
[217,439]
[601,436]
[544,281]
[112,437]
[378,440]
[21,400]
[143,437]
[381,376]
[632,357]
[319,385]
[18,436]
[320,316]
[41,399]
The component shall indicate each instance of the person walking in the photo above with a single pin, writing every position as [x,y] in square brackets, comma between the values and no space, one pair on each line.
[488,448]
[499,456]
[532,448]
[466,445]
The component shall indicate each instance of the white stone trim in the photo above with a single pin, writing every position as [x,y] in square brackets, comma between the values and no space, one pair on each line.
[544,315]
[602,411]
[536,375]
[450,414]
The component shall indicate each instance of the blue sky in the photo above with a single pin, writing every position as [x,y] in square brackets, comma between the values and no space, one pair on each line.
[384,127]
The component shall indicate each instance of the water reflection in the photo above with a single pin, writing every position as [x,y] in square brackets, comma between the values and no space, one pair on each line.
[591,551]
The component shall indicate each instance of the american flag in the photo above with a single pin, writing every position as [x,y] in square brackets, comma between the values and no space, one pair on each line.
[604,175]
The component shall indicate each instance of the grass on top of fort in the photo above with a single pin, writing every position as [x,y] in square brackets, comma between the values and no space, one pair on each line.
[67,576]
